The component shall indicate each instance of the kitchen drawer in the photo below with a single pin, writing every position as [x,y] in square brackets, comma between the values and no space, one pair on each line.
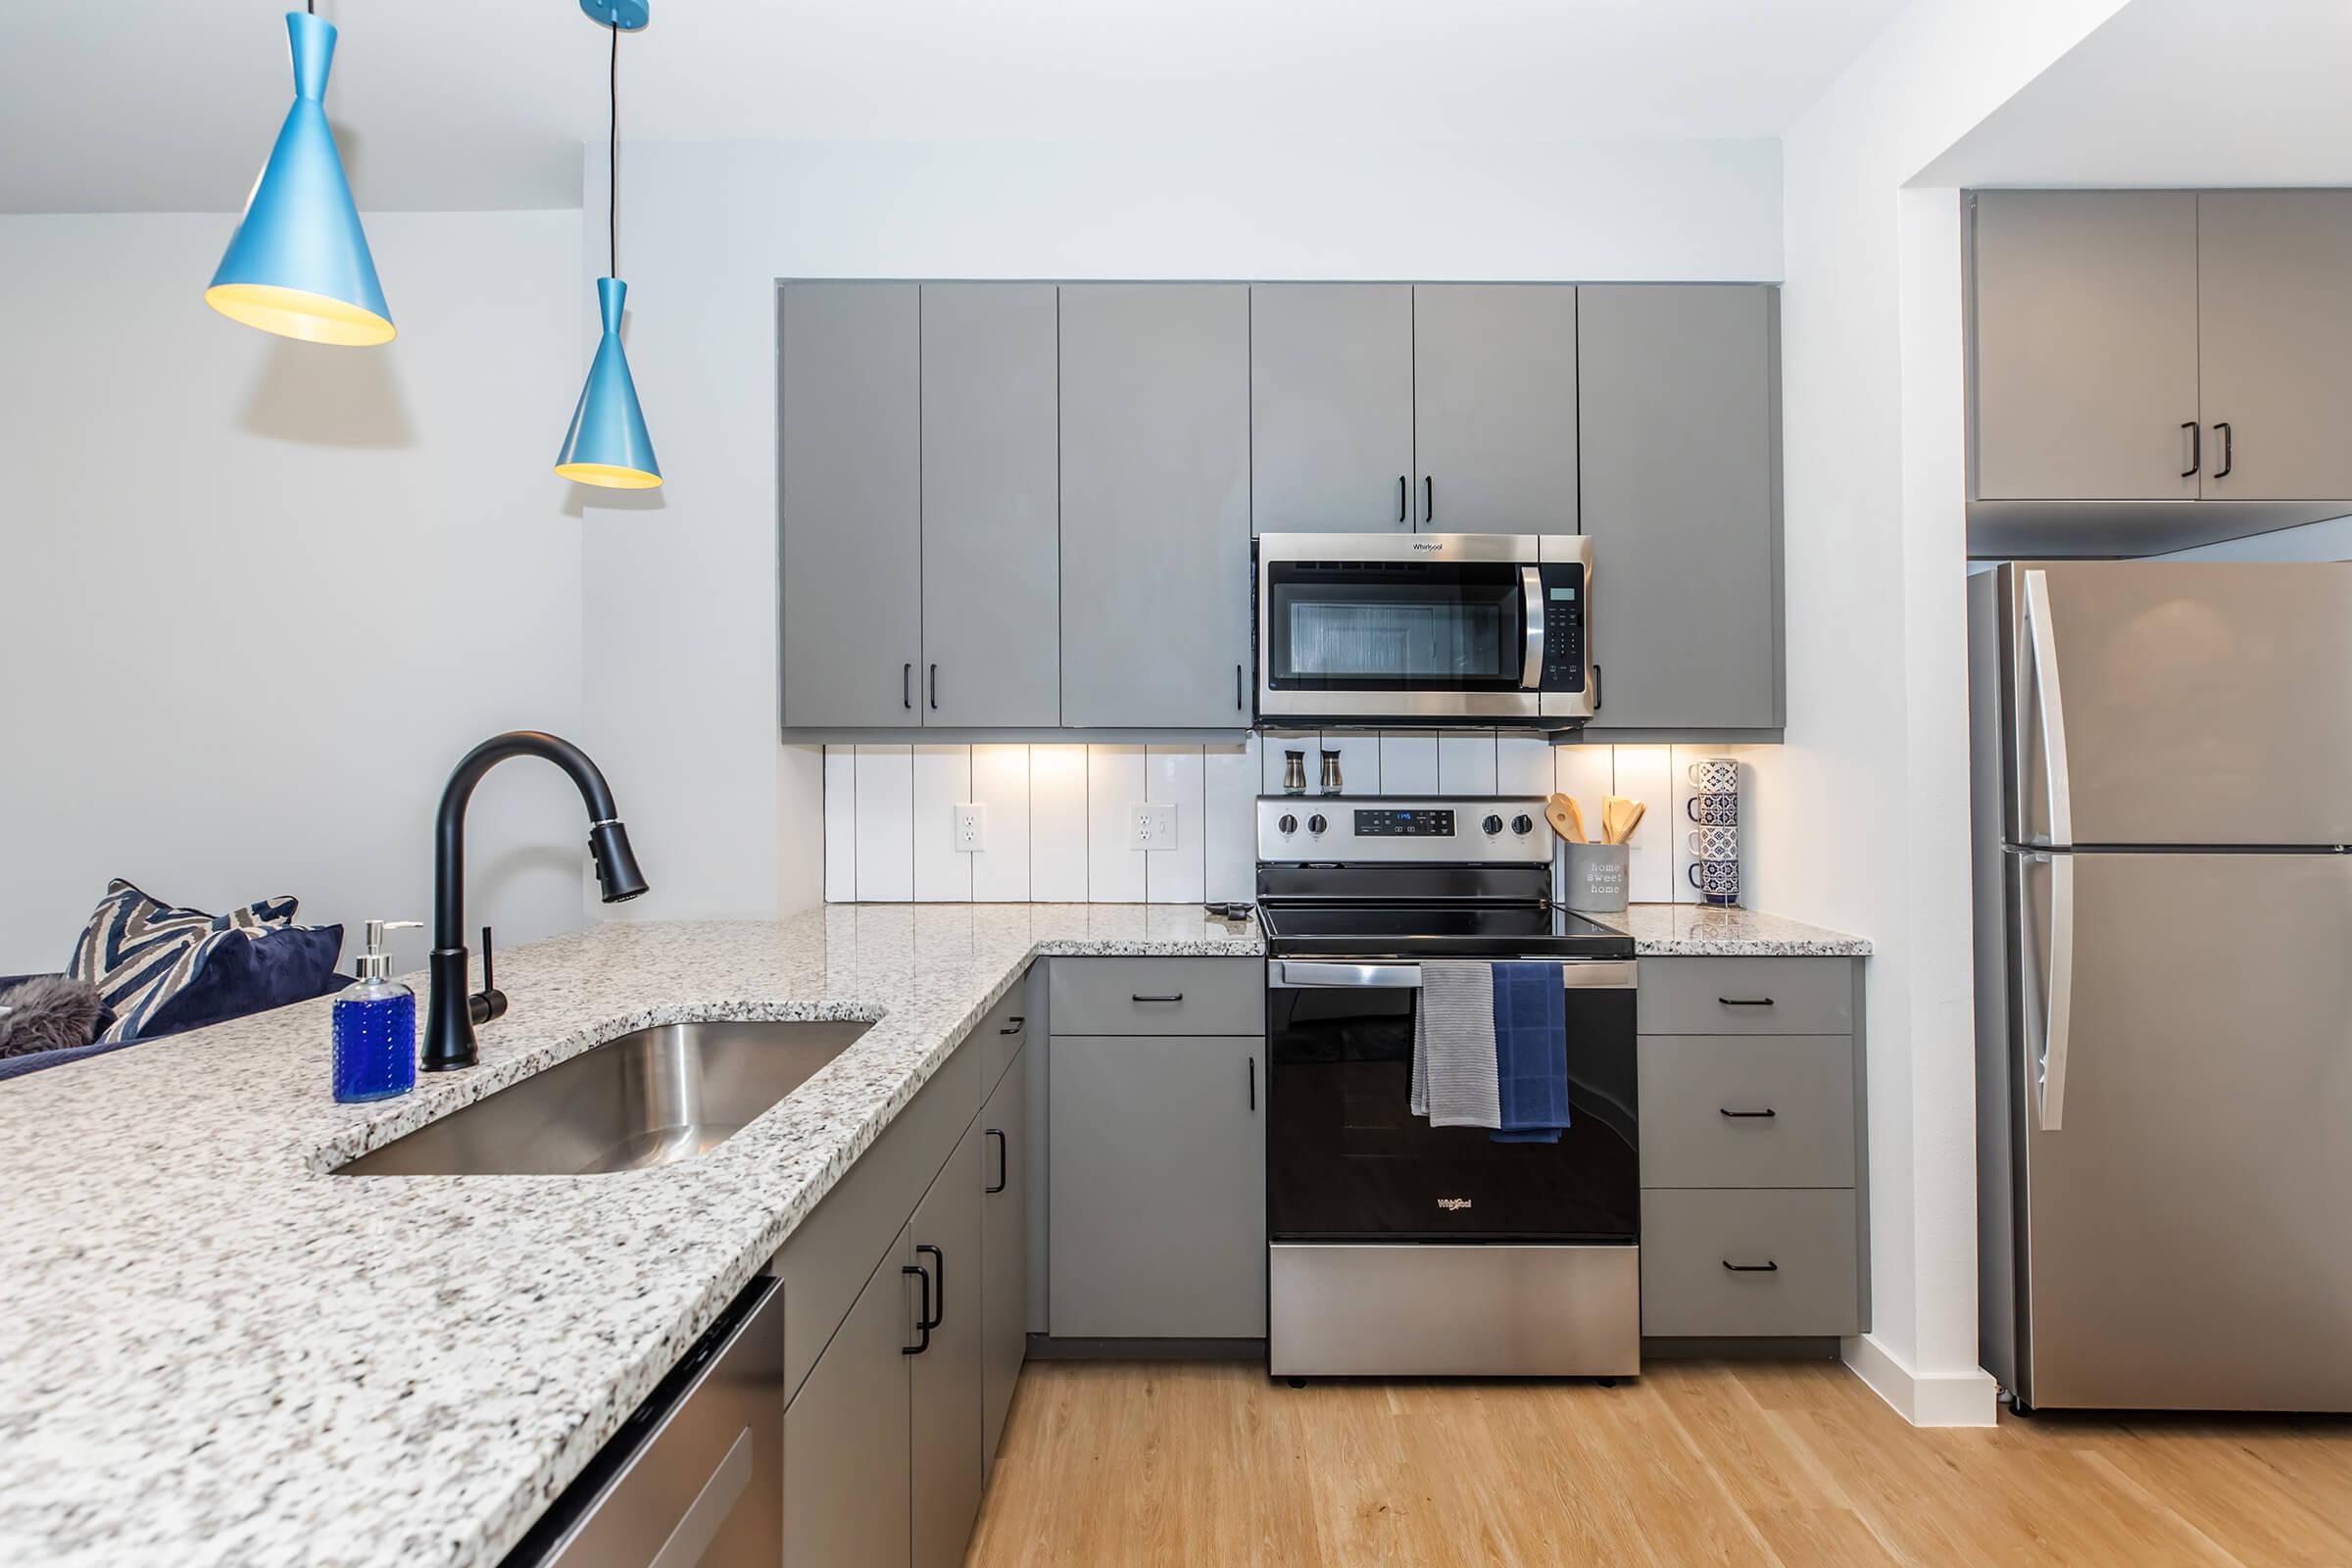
[1002,1033]
[1747,995]
[1774,1110]
[1159,996]
[1738,1264]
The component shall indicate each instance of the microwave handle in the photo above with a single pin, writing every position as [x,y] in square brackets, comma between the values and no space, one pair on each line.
[1531,589]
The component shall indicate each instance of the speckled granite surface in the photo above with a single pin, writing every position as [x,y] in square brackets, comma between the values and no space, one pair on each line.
[1701,930]
[212,1352]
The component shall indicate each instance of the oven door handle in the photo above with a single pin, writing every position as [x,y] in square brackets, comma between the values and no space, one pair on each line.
[1293,974]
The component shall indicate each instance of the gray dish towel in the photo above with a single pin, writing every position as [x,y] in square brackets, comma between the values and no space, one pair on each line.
[1453,1046]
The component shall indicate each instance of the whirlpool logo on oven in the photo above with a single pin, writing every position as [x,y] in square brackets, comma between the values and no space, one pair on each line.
[1453,1206]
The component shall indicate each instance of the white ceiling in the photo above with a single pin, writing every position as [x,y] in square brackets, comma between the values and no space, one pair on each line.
[170,105]
[2179,92]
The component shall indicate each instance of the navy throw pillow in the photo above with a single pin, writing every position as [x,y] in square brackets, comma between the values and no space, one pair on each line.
[288,964]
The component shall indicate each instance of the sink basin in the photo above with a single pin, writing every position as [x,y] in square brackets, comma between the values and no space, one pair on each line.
[650,1097]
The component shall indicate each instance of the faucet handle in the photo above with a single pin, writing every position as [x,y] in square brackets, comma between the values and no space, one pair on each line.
[488,1003]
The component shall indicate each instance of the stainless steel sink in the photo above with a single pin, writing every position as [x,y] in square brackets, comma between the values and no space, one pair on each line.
[650,1098]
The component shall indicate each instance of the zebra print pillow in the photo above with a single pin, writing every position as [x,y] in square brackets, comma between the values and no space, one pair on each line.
[141,952]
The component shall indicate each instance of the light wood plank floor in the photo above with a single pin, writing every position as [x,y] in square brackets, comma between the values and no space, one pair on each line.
[1793,1463]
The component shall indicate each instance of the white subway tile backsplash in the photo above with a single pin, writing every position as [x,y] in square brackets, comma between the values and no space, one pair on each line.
[1000,789]
[1408,762]
[1359,761]
[1178,872]
[943,780]
[1522,764]
[1466,762]
[1057,825]
[1273,754]
[1586,774]
[1114,786]
[841,824]
[1645,773]
[885,824]
[1230,777]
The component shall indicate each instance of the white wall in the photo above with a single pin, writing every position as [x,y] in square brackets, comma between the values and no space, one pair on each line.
[1870,834]
[681,585]
[256,596]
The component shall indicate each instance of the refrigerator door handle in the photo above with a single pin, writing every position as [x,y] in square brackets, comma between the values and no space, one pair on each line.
[2058,998]
[2049,703]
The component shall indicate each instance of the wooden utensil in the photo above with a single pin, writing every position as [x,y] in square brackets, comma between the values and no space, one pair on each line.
[1567,818]
[1618,816]
[1640,810]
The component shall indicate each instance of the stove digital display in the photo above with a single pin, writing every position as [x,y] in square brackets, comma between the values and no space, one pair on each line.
[1414,825]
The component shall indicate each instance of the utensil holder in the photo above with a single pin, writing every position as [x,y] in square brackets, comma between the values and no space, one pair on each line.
[1590,878]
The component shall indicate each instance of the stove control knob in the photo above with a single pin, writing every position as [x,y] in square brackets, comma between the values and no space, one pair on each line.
[1317,824]
[1492,825]
[1523,825]
[1289,825]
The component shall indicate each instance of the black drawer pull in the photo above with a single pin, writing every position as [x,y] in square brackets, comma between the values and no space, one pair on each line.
[939,1313]
[1768,1266]
[1737,1115]
[1745,1002]
[1015,1027]
[1003,1161]
[922,1316]
[1138,996]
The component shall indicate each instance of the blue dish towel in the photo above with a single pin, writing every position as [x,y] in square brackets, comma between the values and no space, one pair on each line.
[1530,1053]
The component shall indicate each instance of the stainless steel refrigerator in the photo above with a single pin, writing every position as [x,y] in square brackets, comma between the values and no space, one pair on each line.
[2162,757]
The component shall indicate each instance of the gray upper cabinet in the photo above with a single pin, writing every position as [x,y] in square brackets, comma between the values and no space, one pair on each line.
[852,482]
[2084,307]
[1331,407]
[1495,408]
[1680,448]
[1155,505]
[992,639]
[2275,336]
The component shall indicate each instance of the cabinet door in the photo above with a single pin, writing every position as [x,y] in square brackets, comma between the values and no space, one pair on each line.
[1003,1249]
[2086,318]
[2275,342]
[944,1237]
[1677,390]
[1155,505]
[1158,1205]
[1331,408]
[850,407]
[991,627]
[846,1471]
[1495,408]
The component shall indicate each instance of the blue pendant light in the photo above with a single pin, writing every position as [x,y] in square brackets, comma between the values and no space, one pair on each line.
[608,444]
[297,265]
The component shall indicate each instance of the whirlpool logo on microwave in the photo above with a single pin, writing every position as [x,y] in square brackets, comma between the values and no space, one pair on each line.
[1452,1206]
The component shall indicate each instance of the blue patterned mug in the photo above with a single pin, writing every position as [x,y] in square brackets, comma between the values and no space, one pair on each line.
[1713,810]
[1717,881]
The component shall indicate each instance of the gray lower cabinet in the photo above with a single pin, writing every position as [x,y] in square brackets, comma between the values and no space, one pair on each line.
[1765,1263]
[847,1454]
[1679,449]
[991,510]
[1495,426]
[1159,1199]
[944,1238]
[1331,408]
[850,410]
[1155,505]
[1003,1251]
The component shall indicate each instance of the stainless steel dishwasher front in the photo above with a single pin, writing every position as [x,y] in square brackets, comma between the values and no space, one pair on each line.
[695,1478]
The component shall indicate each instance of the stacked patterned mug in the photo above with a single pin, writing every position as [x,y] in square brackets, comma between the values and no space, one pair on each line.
[1714,834]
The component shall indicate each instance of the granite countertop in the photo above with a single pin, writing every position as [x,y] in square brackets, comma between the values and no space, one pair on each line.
[214,1352]
[1704,930]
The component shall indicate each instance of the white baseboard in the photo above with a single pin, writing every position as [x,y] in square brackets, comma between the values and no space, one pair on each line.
[1946,1400]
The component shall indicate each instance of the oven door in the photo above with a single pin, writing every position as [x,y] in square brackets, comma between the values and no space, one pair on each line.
[1433,627]
[1347,1161]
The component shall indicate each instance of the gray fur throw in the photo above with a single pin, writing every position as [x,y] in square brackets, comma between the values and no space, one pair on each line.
[48,1013]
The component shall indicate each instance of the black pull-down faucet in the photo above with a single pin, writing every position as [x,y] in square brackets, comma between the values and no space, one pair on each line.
[451,1013]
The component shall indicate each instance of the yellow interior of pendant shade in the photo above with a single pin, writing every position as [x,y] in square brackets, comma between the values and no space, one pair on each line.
[607,475]
[297,313]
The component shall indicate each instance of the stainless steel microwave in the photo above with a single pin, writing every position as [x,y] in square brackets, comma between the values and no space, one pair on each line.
[1426,628]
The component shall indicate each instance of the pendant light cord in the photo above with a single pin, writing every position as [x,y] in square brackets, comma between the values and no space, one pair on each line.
[613,165]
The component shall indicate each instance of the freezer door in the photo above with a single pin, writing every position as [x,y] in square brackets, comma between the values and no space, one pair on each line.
[2187,1220]
[2179,703]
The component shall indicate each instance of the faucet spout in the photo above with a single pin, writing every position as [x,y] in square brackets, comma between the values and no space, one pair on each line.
[451,1010]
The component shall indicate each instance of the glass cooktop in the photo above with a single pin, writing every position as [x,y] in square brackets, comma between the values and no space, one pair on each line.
[1469,930]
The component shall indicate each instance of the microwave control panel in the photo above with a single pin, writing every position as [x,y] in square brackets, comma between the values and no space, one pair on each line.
[1564,627]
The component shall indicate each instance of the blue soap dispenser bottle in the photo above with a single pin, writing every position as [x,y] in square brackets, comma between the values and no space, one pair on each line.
[375,1025]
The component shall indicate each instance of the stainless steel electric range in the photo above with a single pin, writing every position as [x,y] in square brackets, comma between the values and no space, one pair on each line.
[1402,1248]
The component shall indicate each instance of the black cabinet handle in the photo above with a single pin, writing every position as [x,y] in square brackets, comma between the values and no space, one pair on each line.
[2229,450]
[922,1318]
[2196,448]
[1768,1266]
[1403,485]
[1596,688]
[1138,996]
[907,686]
[1745,1002]
[934,688]
[1015,1027]
[939,1314]
[1429,498]
[1252,1083]
[1004,1162]
[1737,1115]
[1237,699]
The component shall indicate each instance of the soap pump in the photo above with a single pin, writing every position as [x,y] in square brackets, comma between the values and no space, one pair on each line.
[375,1025]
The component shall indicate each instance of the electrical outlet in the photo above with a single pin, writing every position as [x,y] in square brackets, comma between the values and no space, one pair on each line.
[970,828]
[1152,825]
